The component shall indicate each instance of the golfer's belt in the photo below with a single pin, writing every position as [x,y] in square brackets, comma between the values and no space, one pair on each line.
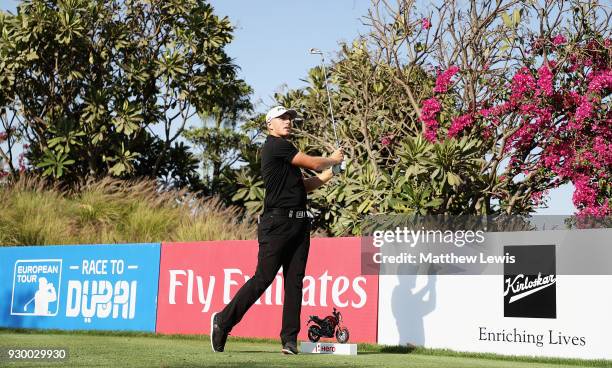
[291,213]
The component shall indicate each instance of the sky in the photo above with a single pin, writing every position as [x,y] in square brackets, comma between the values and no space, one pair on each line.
[271,43]
[272,38]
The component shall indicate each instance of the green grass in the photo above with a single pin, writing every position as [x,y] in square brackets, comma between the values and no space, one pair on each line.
[129,349]
[113,211]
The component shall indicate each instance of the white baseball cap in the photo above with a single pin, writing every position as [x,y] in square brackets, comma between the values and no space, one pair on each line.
[278,111]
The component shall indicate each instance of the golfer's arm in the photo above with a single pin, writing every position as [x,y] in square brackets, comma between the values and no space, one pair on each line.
[312,162]
[317,181]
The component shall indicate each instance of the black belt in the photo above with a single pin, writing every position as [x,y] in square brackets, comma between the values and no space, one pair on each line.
[291,213]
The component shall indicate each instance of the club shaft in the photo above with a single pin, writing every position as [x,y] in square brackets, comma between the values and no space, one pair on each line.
[331,110]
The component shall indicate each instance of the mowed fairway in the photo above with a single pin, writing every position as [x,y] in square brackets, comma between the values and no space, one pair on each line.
[140,350]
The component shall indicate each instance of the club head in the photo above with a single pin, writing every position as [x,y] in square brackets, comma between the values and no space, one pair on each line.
[315,51]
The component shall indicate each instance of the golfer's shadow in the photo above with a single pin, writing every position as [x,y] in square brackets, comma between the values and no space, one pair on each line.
[410,304]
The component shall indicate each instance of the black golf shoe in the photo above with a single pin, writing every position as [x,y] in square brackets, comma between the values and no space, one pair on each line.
[290,348]
[218,336]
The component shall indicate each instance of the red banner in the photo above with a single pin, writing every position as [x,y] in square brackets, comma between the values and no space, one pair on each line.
[198,279]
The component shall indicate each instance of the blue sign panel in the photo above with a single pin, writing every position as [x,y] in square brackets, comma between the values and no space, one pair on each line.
[97,287]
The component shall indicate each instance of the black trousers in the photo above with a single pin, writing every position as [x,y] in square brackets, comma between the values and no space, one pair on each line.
[285,242]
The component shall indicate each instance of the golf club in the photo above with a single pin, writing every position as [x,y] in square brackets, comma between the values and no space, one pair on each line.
[25,307]
[336,168]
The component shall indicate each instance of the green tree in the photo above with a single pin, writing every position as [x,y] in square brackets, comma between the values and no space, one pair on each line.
[220,143]
[107,87]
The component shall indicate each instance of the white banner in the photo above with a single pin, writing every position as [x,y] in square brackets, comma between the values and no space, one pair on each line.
[567,316]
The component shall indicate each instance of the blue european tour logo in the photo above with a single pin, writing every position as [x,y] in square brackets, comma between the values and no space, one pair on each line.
[36,287]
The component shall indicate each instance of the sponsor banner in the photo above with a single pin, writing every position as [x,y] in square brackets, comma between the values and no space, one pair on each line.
[198,279]
[530,310]
[97,287]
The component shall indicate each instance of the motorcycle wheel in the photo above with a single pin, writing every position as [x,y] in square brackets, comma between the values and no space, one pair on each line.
[313,334]
[342,335]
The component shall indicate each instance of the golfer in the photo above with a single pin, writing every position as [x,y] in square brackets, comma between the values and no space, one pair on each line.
[283,231]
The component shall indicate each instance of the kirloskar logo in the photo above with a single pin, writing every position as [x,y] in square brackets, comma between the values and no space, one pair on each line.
[530,282]
[193,288]
[522,286]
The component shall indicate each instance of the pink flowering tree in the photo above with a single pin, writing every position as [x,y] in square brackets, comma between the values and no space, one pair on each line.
[550,124]
[542,108]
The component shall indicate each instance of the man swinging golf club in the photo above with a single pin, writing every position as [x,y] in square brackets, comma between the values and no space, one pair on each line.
[283,231]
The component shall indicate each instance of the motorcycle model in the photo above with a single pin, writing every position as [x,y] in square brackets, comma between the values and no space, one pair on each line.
[328,327]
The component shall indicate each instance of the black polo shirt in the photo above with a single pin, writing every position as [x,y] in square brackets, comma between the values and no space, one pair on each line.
[283,182]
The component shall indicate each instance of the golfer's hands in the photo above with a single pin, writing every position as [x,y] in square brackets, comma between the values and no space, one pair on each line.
[326,175]
[337,156]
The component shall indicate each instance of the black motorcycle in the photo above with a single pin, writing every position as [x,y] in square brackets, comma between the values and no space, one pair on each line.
[328,327]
